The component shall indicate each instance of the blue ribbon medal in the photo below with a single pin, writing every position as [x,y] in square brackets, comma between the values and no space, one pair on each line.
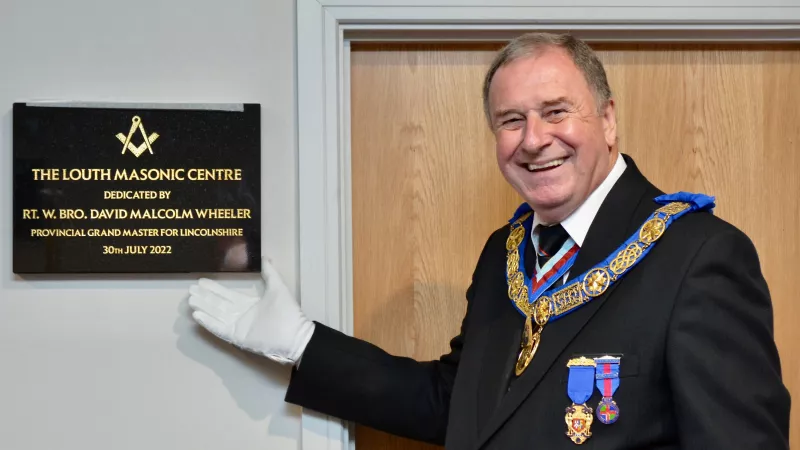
[579,388]
[607,380]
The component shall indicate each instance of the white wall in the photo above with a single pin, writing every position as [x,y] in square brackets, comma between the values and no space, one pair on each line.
[113,363]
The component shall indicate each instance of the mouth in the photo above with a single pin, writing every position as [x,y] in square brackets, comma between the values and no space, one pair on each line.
[545,166]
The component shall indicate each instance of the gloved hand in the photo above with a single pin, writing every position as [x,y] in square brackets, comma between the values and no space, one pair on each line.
[272,325]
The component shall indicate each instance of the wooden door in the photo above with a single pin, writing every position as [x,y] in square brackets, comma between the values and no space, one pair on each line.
[722,120]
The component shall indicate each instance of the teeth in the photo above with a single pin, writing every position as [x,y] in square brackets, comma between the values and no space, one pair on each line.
[554,163]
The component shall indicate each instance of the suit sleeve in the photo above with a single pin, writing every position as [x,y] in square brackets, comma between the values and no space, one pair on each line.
[354,380]
[723,364]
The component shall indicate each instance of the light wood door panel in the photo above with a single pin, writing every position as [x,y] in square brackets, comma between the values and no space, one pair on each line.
[427,192]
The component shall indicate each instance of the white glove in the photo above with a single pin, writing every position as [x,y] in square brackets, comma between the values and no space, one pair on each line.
[273,325]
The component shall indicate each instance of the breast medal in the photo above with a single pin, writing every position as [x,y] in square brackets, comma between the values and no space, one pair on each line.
[579,388]
[607,381]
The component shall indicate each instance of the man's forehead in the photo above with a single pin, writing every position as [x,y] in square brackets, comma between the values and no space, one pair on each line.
[536,81]
[532,95]
[544,63]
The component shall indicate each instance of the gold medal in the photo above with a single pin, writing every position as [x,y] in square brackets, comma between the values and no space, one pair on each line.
[530,342]
[579,423]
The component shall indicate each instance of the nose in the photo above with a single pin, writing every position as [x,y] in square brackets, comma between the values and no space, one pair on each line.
[536,135]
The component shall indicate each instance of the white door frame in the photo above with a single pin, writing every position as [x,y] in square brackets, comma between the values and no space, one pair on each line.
[325,29]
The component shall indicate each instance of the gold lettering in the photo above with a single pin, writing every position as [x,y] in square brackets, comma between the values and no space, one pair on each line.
[223,213]
[140,232]
[150,175]
[86,174]
[45,174]
[211,232]
[96,232]
[71,214]
[142,174]
[129,195]
[215,174]
[121,175]
[170,214]
[108,214]
[57,232]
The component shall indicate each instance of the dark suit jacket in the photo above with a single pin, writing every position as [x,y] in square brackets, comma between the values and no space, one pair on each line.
[693,321]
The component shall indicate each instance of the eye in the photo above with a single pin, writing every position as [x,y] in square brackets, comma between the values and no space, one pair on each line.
[510,122]
[555,115]
[513,120]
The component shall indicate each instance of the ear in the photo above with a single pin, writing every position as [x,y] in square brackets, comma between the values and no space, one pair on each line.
[609,118]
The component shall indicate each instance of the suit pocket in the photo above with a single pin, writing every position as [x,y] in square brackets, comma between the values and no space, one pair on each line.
[629,366]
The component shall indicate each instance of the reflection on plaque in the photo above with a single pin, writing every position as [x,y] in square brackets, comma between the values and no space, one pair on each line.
[120,189]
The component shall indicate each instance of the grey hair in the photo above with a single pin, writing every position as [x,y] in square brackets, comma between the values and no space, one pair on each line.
[531,44]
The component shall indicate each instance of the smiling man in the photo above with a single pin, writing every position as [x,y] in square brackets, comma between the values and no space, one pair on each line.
[555,133]
[605,313]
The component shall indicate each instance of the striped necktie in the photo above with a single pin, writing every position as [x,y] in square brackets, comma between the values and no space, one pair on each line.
[551,239]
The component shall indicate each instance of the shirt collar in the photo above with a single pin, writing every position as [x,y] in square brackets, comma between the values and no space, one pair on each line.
[577,224]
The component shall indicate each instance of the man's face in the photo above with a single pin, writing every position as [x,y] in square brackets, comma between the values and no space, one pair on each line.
[552,145]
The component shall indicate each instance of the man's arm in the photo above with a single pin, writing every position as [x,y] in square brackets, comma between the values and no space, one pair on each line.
[354,380]
[722,360]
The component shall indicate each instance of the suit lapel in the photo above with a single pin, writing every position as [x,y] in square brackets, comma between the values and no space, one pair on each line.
[624,209]
[502,348]
[498,362]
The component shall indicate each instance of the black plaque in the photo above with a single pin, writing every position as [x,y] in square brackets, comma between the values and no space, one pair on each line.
[113,189]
